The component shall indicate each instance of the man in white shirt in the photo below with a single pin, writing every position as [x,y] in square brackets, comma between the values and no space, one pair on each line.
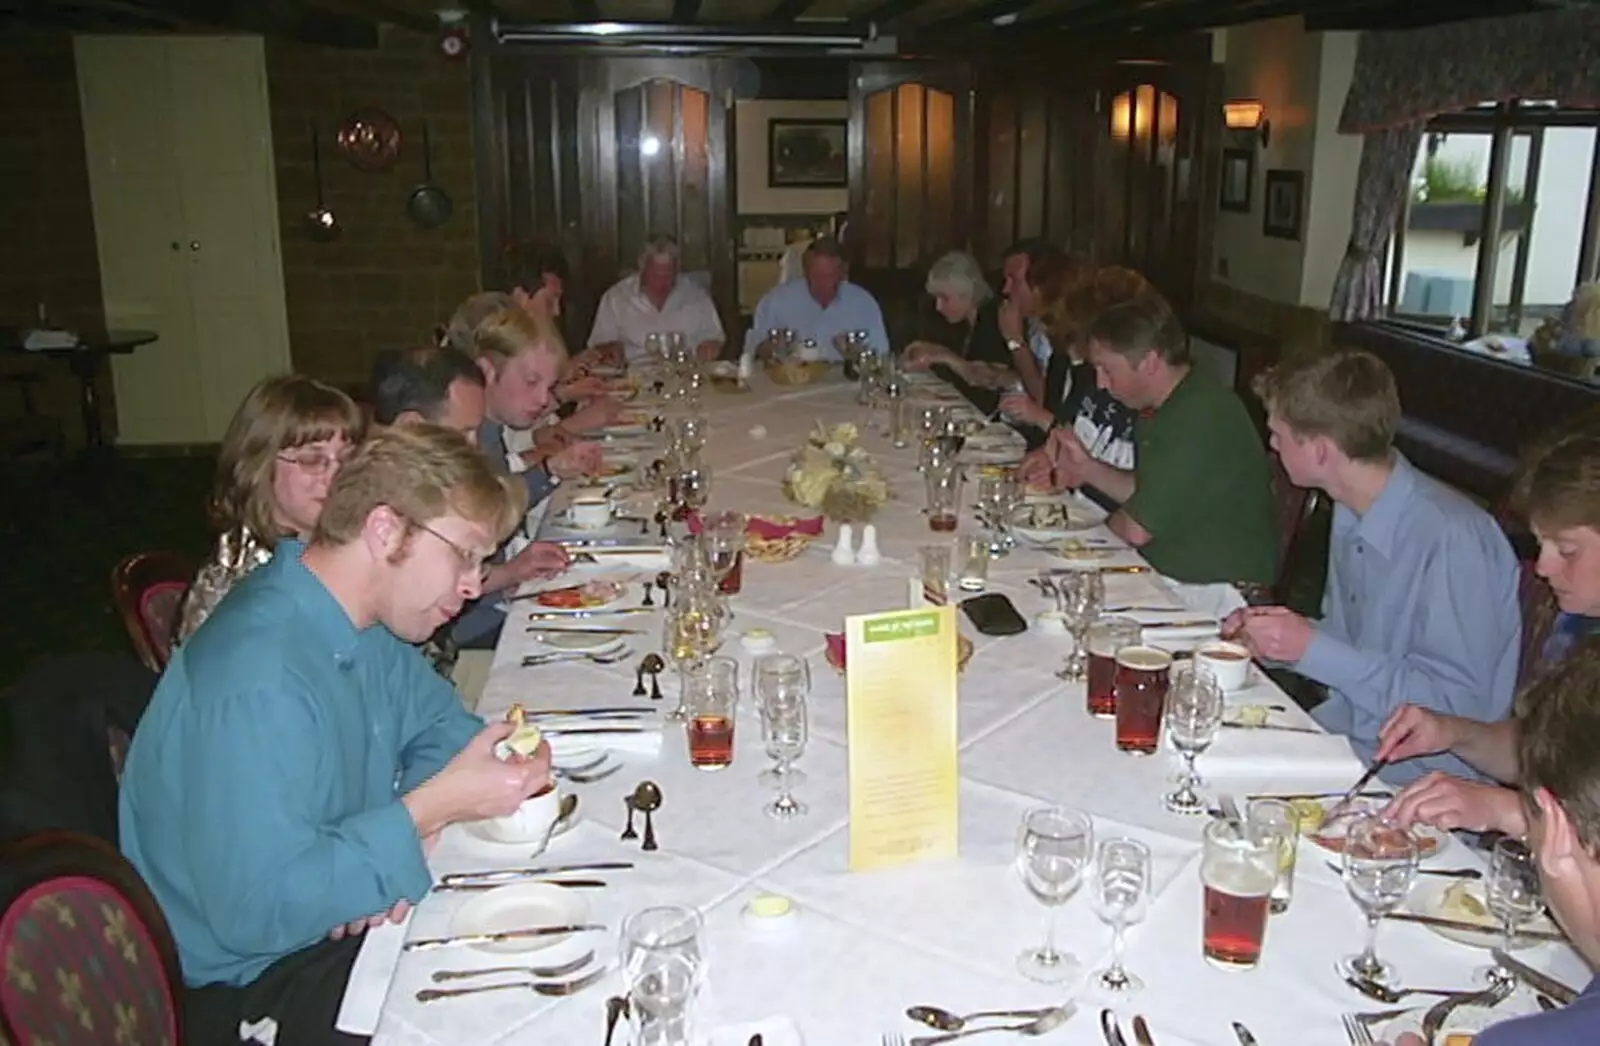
[656,300]
[820,306]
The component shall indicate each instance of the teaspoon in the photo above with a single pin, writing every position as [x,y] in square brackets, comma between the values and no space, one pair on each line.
[1385,994]
[1046,1022]
[647,797]
[943,1020]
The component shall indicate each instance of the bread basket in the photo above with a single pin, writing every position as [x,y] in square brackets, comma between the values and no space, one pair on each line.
[795,372]
[776,550]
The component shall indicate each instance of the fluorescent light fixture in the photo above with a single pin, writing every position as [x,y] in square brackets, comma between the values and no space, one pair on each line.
[657,34]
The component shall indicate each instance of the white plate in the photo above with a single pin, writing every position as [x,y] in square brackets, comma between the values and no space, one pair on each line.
[1430,901]
[1463,1020]
[483,832]
[590,642]
[519,907]
[623,591]
[1430,839]
[1079,518]
[573,750]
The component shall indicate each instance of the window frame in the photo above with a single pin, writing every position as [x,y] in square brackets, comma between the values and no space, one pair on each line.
[1501,123]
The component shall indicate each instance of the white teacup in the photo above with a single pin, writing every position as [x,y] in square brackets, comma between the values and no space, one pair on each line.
[590,513]
[1228,663]
[531,822]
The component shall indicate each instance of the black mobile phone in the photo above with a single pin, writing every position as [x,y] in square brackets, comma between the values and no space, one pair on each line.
[993,615]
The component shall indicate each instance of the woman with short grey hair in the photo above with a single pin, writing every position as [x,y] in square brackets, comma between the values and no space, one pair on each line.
[977,359]
[958,287]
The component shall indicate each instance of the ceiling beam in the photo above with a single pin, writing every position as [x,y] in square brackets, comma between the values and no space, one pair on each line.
[788,10]
[585,10]
[1376,14]
[685,12]
[886,10]
[291,19]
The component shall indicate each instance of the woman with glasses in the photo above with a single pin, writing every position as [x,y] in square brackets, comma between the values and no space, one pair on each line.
[282,449]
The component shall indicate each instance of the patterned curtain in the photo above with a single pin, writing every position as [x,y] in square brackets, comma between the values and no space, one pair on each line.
[1382,182]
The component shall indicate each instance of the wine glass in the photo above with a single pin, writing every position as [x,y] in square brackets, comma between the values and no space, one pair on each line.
[1511,893]
[781,678]
[725,540]
[689,487]
[783,728]
[1380,864]
[1080,595]
[692,632]
[1193,717]
[1121,894]
[1053,849]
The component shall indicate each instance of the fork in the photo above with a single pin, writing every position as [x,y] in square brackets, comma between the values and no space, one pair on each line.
[538,660]
[582,778]
[556,988]
[1355,1031]
[893,1040]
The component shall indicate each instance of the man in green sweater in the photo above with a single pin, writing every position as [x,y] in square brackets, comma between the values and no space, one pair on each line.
[1198,504]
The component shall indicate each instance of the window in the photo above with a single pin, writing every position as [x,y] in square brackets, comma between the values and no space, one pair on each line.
[1522,174]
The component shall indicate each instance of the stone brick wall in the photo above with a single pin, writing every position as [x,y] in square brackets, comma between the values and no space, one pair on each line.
[385,282]
[47,245]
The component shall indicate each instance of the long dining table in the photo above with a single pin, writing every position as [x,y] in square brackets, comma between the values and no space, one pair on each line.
[859,948]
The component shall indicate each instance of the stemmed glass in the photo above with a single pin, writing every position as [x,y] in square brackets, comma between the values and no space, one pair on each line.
[1080,595]
[725,540]
[1053,849]
[689,487]
[781,679]
[783,728]
[1380,864]
[1121,895]
[692,632]
[663,969]
[1193,717]
[1511,893]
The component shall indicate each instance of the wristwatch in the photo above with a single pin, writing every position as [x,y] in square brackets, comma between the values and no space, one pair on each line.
[1016,344]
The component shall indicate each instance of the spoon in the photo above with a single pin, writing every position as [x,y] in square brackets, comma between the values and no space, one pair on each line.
[638,674]
[1385,994]
[1047,1021]
[943,1020]
[616,1006]
[628,832]
[647,797]
[568,807]
[648,588]
[664,580]
[654,664]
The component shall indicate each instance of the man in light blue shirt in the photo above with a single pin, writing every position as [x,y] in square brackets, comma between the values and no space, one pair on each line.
[819,307]
[1421,600]
[299,755]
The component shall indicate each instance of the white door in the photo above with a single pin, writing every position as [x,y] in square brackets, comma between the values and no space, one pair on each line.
[181,172]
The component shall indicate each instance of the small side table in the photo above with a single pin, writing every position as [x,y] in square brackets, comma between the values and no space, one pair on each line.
[85,360]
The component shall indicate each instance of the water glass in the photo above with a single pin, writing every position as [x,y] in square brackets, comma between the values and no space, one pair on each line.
[1237,872]
[899,422]
[1121,895]
[1380,864]
[663,971]
[781,678]
[1273,819]
[1080,595]
[936,563]
[974,550]
[712,700]
[1511,893]
[783,728]
[1054,847]
[1193,717]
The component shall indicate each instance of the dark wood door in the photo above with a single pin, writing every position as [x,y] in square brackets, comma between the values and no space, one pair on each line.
[910,177]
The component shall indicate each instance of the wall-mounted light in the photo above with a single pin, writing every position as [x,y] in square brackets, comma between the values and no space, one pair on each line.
[1246,115]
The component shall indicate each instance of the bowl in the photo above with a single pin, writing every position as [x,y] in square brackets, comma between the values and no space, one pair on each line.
[529,823]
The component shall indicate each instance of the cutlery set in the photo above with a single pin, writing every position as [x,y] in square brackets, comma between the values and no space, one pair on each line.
[1112,1030]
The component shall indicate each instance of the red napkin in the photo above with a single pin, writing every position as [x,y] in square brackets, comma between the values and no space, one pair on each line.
[769,529]
[836,648]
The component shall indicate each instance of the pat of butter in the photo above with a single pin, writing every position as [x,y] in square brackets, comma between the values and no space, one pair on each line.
[758,641]
[525,740]
[1458,1038]
[770,906]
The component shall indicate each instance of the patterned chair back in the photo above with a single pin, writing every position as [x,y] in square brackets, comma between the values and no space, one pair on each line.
[86,954]
[147,589]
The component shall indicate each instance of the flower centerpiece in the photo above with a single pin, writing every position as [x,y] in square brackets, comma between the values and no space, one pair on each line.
[832,472]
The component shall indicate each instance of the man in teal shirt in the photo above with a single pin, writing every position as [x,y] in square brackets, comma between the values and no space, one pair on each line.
[299,755]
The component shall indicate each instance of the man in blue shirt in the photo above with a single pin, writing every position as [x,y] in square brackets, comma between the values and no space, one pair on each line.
[1421,598]
[299,756]
[819,307]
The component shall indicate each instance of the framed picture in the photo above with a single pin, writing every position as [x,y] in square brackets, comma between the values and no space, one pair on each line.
[806,154]
[1238,178]
[1285,196]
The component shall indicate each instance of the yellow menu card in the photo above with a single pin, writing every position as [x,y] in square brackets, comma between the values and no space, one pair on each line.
[901,686]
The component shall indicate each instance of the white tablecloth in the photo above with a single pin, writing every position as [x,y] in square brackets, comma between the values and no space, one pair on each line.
[863,947]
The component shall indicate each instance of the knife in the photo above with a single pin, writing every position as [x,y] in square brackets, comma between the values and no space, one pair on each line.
[518,873]
[611,728]
[1195,622]
[614,713]
[426,943]
[557,615]
[1108,1028]
[1542,982]
[1275,726]
[592,630]
[607,710]
[574,884]
[1317,795]
[1470,927]
[1245,1038]
[1141,1031]
[1355,789]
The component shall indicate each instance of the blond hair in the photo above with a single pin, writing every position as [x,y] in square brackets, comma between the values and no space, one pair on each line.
[463,324]
[511,332]
[422,472]
[1347,396]
[278,414]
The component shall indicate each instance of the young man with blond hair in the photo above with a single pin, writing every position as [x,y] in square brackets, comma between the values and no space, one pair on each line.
[1198,502]
[1421,599]
[299,756]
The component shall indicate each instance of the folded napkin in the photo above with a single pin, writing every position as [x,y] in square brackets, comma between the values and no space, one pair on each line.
[1279,753]
[1218,599]
[774,1031]
[566,748]
[770,529]
[1178,638]
[370,976]
[652,561]
[35,340]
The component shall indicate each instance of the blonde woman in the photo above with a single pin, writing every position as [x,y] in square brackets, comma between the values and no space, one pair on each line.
[282,449]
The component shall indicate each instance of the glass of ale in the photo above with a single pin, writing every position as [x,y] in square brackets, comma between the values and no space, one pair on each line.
[1238,872]
[1105,637]
[1139,689]
[713,698]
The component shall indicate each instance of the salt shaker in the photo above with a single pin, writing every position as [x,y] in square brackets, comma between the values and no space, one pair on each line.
[844,553]
[868,555]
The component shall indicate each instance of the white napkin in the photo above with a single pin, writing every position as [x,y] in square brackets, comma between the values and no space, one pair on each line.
[1218,600]
[566,748]
[1178,638]
[370,977]
[652,561]
[1279,753]
[35,340]
[774,1031]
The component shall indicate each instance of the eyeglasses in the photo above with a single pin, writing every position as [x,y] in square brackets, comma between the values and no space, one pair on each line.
[316,463]
[471,562]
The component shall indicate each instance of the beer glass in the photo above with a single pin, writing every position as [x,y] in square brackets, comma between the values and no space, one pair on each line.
[1140,692]
[944,496]
[974,550]
[1380,864]
[1238,872]
[713,698]
[1104,638]
[936,560]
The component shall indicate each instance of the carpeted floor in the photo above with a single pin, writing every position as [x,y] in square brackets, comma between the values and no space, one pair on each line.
[63,531]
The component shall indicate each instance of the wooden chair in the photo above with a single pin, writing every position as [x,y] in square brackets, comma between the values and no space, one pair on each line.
[89,959]
[1296,507]
[148,588]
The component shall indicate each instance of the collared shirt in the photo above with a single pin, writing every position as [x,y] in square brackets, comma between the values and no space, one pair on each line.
[1420,608]
[492,440]
[261,796]
[790,305]
[625,315]
[1568,1026]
